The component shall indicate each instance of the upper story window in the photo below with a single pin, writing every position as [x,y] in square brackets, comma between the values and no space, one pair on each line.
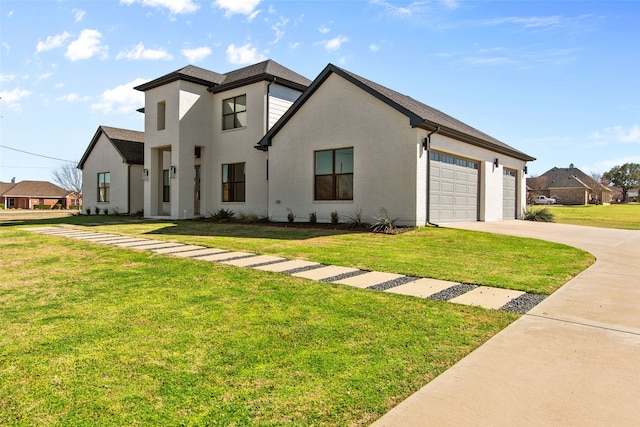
[104,186]
[334,174]
[234,112]
[162,115]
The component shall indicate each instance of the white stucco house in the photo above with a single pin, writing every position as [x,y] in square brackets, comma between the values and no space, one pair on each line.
[112,167]
[265,141]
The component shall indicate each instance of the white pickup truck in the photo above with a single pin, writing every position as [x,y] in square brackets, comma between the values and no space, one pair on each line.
[544,200]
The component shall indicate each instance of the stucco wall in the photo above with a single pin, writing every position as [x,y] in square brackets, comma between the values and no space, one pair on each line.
[340,115]
[105,158]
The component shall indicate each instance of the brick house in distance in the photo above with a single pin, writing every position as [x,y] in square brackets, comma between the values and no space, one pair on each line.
[36,194]
[569,186]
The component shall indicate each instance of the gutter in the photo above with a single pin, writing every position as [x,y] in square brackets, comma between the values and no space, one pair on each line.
[427,149]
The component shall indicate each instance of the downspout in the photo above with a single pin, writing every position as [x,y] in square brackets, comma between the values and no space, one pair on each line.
[427,149]
[128,189]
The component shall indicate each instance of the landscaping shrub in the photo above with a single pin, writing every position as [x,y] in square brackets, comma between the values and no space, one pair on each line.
[222,215]
[291,217]
[540,215]
[96,210]
[355,220]
[313,217]
[88,210]
[383,223]
[335,218]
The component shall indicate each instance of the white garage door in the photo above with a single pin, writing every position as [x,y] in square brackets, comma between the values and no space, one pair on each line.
[453,196]
[509,194]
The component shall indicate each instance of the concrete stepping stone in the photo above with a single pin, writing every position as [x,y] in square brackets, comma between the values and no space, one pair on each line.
[284,266]
[258,259]
[137,243]
[487,297]
[324,272]
[421,288]
[371,278]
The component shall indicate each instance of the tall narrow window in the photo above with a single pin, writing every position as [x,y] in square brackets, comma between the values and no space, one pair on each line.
[104,186]
[334,174]
[234,112]
[233,182]
[162,112]
[166,186]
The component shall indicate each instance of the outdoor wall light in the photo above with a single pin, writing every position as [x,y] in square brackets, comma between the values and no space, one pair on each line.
[526,170]
[173,171]
[496,163]
[145,173]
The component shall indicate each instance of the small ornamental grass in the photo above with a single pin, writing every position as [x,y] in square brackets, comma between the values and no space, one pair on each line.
[540,215]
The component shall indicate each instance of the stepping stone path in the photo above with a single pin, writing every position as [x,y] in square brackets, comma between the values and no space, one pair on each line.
[459,293]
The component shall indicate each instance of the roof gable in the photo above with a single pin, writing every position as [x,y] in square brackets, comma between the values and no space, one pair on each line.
[128,143]
[419,114]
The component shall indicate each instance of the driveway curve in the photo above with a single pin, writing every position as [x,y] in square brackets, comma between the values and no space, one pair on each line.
[573,360]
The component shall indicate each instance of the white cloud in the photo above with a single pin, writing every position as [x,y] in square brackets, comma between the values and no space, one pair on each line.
[253,15]
[44,76]
[414,8]
[11,97]
[121,99]
[243,54]
[6,78]
[374,47]
[294,45]
[232,7]
[334,43]
[175,6]
[278,27]
[52,42]
[10,14]
[196,54]
[73,97]
[618,134]
[139,52]
[6,46]
[528,22]
[324,29]
[78,14]
[87,45]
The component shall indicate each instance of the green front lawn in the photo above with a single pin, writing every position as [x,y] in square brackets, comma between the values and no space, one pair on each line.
[626,216]
[96,335]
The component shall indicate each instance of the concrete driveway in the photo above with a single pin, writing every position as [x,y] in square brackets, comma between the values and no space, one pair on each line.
[573,360]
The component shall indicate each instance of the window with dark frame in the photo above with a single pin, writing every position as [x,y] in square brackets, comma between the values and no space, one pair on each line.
[104,186]
[166,186]
[162,115]
[234,112]
[334,174]
[233,182]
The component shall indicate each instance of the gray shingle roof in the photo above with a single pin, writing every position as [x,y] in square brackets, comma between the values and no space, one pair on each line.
[419,114]
[570,177]
[36,189]
[128,143]
[189,73]
[266,70]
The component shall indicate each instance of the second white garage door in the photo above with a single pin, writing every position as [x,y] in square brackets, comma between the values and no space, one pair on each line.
[509,194]
[453,196]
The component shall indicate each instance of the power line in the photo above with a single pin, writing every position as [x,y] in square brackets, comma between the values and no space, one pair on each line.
[34,154]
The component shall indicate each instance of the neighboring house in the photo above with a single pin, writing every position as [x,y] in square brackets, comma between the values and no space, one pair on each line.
[350,145]
[35,195]
[265,141]
[569,186]
[112,169]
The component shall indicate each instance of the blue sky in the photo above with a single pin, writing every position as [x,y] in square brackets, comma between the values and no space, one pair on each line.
[559,80]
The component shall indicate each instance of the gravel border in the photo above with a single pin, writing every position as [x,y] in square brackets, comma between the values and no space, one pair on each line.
[452,292]
[393,283]
[301,269]
[343,276]
[523,303]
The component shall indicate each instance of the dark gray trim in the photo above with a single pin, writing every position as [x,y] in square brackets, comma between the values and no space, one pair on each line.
[256,79]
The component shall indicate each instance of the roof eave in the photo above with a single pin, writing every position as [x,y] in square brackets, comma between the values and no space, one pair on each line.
[256,79]
[170,78]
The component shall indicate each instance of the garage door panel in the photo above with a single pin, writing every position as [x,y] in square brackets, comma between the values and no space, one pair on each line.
[453,195]
[509,194]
